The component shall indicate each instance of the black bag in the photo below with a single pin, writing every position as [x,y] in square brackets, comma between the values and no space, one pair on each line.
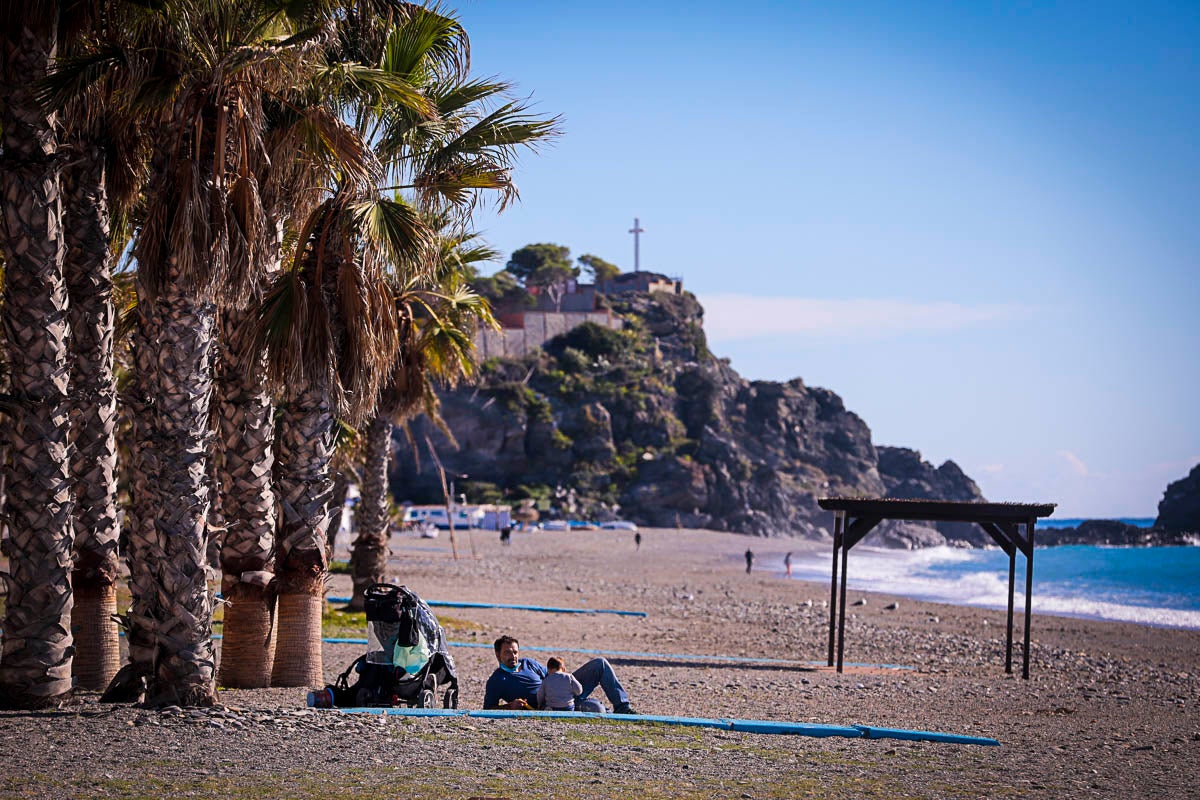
[388,605]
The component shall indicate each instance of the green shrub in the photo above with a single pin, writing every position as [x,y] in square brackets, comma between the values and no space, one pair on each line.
[592,340]
[573,361]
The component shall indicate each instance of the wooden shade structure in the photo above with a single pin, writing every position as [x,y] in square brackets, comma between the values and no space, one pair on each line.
[855,517]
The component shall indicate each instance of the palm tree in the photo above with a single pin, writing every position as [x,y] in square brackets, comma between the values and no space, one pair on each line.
[35,667]
[449,165]
[436,343]
[102,173]
[245,435]
[330,327]
[94,401]
[198,70]
[305,141]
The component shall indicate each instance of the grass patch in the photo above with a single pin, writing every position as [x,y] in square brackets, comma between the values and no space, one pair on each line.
[343,624]
[338,623]
[456,625]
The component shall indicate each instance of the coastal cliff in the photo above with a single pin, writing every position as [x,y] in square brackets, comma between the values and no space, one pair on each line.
[1179,510]
[646,424]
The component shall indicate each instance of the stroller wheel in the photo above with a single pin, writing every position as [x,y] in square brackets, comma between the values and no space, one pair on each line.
[450,700]
[426,700]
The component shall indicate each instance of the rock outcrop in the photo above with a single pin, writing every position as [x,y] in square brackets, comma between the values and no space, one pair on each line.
[1179,510]
[646,424]
[1178,522]
[907,477]
[1113,533]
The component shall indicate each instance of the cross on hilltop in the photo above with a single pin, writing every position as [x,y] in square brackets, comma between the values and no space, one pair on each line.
[636,230]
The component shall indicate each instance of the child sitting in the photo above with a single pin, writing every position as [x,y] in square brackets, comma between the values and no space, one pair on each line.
[559,688]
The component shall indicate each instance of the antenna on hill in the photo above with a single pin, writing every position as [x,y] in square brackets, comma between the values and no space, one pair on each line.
[637,230]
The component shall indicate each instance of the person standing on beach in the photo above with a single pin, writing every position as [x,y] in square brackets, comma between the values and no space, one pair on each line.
[515,683]
[787,563]
[749,560]
[637,541]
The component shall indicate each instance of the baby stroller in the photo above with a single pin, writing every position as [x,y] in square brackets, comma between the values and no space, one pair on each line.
[406,659]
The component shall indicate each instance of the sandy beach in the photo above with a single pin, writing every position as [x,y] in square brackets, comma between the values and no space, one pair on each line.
[1111,709]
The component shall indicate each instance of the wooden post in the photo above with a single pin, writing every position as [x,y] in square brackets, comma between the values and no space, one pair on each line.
[1012,569]
[1029,526]
[842,607]
[833,585]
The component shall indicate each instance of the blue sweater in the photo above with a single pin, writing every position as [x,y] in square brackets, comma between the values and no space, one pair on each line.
[504,686]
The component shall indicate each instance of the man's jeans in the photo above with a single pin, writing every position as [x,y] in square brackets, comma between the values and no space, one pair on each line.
[598,672]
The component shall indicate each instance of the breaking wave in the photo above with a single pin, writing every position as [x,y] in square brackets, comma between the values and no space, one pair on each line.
[1151,586]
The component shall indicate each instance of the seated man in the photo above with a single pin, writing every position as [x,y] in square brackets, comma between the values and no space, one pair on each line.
[515,683]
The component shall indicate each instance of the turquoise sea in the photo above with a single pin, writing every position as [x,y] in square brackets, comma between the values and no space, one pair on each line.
[1149,585]
[1141,522]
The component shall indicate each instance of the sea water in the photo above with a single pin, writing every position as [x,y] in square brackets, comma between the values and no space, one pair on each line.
[1149,585]
[1051,523]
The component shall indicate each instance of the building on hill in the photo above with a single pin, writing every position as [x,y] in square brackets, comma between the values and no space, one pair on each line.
[641,282]
[523,329]
[576,297]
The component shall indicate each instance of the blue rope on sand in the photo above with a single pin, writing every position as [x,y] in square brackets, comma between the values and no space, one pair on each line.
[744,725]
[632,654]
[547,609]
[658,656]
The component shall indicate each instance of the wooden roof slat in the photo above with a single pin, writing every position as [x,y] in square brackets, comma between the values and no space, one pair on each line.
[937,510]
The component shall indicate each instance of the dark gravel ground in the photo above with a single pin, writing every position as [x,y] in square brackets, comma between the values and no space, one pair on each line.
[1110,710]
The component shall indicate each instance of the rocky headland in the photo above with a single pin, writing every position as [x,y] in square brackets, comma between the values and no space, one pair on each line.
[645,423]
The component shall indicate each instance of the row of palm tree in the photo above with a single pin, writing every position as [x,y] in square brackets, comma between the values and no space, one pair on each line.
[292,186]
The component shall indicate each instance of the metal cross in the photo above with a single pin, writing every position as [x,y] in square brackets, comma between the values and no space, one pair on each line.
[636,230]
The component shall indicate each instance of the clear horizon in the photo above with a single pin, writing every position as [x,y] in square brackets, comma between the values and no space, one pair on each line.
[975,223]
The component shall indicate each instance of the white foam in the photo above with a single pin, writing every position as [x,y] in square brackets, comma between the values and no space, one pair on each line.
[906,573]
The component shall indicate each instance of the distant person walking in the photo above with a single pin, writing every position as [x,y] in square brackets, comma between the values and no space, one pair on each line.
[637,540]
[787,563]
[749,560]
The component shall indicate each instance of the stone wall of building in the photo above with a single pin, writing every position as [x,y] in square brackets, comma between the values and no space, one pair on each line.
[539,327]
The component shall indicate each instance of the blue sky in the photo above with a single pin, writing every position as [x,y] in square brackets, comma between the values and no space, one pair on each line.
[976,222]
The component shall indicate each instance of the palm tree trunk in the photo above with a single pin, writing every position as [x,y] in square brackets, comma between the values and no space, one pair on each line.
[171,601]
[246,436]
[303,452]
[368,561]
[94,399]
[216,521]
[337,510]
[35,664]
[142,544]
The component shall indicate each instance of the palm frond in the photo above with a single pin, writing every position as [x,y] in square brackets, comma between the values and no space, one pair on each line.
[482,155]
[374,87]
[73,76]
[460,184]
[423,42]
[404,136]
[393,229]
